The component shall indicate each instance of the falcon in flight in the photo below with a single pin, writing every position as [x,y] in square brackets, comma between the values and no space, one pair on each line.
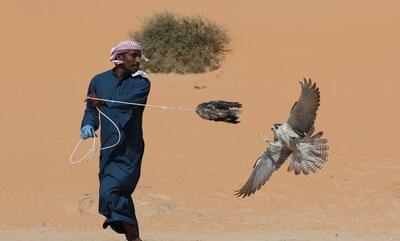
[309,152]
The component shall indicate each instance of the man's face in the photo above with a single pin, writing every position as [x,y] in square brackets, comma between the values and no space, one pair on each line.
[131,61]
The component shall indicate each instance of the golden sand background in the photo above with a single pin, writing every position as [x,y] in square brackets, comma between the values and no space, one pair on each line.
[51,49]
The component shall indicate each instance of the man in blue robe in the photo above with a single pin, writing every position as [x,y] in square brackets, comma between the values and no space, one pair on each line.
[119,165]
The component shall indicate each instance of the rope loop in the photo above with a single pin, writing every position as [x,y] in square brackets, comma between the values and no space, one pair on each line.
[90,154]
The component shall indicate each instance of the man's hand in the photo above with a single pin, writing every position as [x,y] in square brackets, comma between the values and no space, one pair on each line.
[87,131]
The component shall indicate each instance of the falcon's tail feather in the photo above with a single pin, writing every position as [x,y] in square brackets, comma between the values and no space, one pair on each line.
[311,154]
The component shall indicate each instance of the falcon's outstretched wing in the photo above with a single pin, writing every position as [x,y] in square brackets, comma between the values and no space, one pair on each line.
[268,162]
[304,111]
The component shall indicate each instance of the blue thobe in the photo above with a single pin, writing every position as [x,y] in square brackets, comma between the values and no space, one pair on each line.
[119,166]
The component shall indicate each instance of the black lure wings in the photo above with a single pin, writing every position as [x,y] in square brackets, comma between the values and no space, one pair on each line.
[220,110]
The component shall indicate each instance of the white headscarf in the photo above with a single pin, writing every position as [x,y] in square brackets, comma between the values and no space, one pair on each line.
[123,47]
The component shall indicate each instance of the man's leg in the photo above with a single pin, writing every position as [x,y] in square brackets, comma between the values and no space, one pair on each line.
[131,232]
[117,206]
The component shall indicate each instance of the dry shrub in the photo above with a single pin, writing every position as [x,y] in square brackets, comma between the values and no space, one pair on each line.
[181,44]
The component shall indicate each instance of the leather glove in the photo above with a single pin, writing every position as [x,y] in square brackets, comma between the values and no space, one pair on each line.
[86,132]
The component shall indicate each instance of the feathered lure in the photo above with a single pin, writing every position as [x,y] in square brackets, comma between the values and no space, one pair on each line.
[220,110]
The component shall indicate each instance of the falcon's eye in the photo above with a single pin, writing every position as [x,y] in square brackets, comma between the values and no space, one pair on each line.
[276,126]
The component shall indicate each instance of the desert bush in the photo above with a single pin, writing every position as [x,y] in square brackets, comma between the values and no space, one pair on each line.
[181,44]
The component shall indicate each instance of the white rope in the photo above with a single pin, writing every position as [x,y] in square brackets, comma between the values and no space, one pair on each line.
[90,154]
[147,105]
[116,127]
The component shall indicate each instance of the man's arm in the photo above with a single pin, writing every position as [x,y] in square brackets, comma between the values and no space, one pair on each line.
[91,114]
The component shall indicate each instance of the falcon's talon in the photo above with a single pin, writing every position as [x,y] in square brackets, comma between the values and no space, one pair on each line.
[264,137]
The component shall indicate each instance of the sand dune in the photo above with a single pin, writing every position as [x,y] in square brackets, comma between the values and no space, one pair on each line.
[191,167]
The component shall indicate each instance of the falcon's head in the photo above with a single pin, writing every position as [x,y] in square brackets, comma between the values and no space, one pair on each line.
[275,127]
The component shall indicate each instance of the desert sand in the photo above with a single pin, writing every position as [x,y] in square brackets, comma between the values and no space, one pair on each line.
[191,168]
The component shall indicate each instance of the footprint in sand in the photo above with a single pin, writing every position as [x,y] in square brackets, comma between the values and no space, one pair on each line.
[159,196]
[86,204]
